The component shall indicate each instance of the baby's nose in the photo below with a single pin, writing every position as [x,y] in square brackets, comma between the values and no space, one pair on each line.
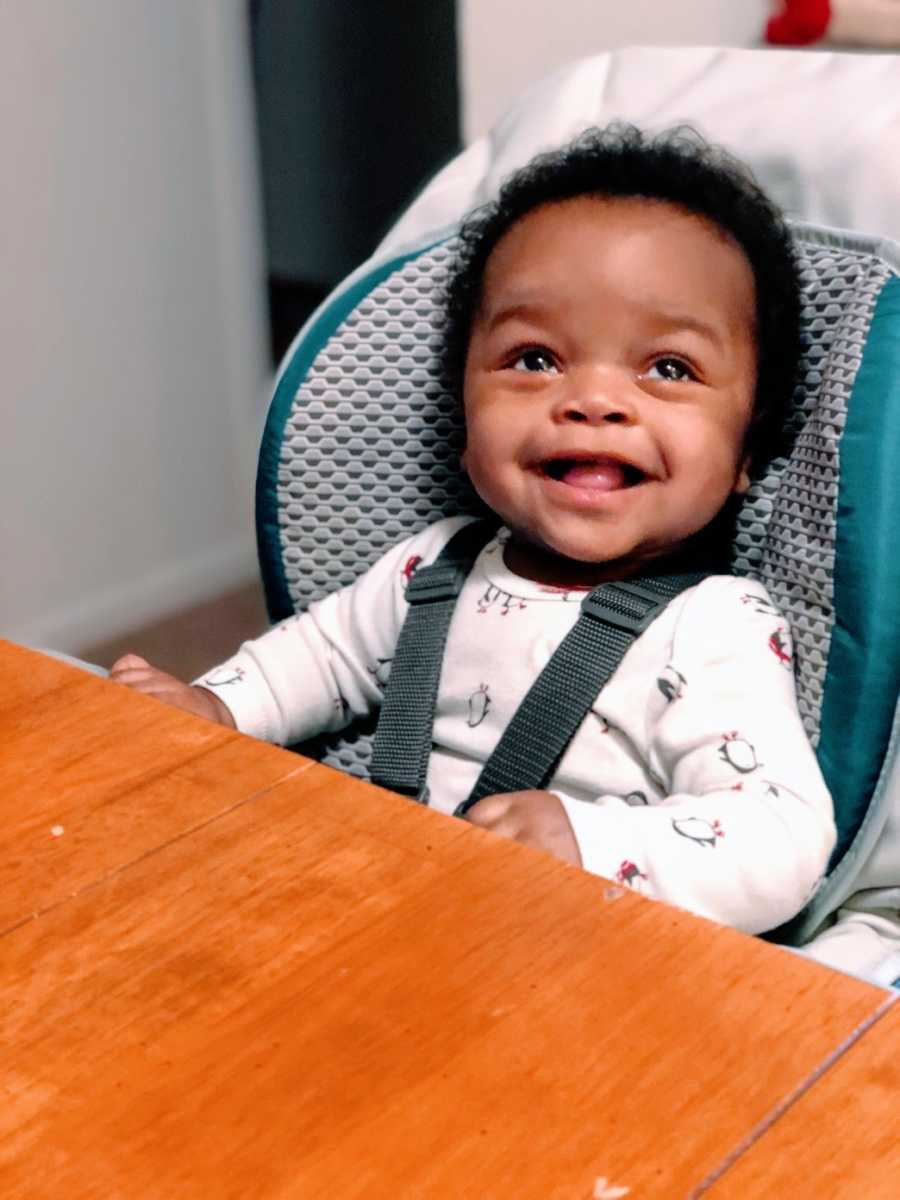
[597,401]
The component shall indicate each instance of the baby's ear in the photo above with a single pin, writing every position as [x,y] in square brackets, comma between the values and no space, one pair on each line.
[742,482]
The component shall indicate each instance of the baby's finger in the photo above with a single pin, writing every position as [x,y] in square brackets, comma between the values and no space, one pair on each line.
[151,683]
[131,676]
[489,811]
[127,662]
[148,687]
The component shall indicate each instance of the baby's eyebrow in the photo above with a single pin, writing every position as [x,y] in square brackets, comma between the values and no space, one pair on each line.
[521,310]
[677,320]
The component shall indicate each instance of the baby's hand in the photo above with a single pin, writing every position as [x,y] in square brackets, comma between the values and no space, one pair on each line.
[137,673]
[533,818]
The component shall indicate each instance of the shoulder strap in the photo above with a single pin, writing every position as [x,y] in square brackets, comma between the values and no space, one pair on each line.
[611,618]
[404,732]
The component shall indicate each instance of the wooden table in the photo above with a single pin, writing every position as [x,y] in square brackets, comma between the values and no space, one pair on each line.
[230,972]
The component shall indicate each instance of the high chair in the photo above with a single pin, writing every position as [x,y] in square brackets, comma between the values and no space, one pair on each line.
[362,438]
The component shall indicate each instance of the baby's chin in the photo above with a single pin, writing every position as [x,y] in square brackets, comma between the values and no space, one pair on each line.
[572,564]
[568,566]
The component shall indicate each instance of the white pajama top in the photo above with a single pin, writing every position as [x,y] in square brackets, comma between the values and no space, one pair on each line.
[690,780]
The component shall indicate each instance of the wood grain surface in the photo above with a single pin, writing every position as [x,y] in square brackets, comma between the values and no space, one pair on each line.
[841,1140]
[92,777]
[240,974]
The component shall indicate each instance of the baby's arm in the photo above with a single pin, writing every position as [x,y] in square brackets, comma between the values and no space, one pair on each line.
[746,829]
[314,672]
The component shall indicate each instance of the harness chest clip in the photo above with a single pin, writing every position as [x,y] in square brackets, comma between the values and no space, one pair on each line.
[437,582]
[625,606]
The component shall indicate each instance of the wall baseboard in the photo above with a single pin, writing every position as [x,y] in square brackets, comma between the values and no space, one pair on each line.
[115,611]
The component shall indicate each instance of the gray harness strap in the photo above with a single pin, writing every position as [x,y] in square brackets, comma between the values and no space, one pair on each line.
[612,616]
[403,736]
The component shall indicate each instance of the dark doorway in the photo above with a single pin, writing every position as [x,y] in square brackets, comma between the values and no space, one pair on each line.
[357,106]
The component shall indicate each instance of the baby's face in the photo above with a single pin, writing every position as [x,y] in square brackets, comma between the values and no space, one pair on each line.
[609,384]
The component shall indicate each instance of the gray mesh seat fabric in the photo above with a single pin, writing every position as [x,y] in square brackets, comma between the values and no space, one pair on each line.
[361,449]
[361,446]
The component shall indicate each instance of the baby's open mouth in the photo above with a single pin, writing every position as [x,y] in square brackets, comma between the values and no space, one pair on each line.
[596,474]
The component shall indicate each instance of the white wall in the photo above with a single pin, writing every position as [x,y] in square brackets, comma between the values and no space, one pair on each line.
[506,45]
[131,312]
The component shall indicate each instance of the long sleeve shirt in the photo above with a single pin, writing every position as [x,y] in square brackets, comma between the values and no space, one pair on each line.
[690,780]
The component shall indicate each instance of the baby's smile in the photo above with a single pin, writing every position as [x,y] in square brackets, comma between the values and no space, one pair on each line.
[594,473]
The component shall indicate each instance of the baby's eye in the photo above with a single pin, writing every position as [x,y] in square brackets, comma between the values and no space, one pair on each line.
[674,370]
[536,359]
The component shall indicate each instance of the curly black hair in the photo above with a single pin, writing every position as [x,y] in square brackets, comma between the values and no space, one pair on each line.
[678,167]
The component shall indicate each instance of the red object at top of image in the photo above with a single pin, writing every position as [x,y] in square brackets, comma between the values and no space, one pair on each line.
[798,22]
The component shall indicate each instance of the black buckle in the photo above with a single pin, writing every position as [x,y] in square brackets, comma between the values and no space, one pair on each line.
[637,608]
[440,581]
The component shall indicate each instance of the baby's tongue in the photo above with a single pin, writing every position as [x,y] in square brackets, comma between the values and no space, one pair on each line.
[605,476]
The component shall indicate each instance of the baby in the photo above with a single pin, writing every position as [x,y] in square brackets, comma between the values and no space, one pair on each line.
[625,324]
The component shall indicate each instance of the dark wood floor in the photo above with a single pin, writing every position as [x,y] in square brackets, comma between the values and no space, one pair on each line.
[187,643]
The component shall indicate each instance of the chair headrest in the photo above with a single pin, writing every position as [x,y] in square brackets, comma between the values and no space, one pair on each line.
[820,130]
